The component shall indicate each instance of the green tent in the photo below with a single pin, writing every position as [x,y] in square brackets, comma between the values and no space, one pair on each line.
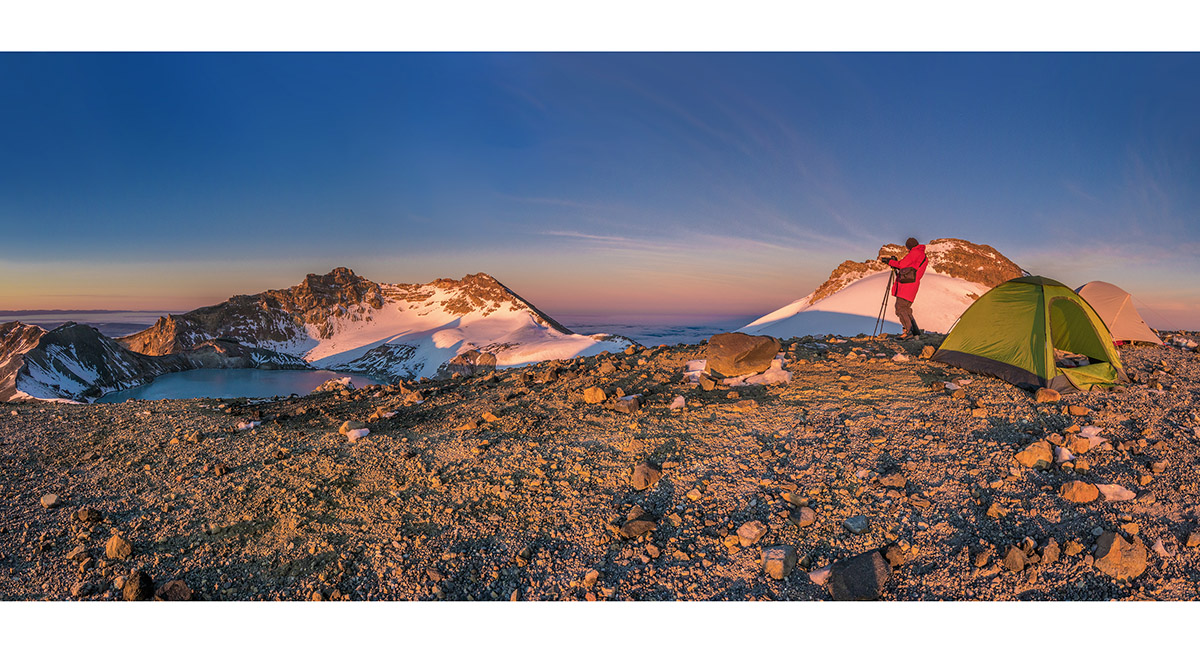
[1012,332]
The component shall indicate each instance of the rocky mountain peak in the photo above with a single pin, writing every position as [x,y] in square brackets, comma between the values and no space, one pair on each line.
[956,258]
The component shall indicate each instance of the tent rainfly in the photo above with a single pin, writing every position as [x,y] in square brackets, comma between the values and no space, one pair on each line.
[1115,306]
[1013,331]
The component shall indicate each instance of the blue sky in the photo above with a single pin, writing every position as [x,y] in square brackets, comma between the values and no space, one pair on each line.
[640,184]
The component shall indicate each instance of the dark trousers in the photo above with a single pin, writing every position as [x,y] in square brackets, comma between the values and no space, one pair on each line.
[904,313]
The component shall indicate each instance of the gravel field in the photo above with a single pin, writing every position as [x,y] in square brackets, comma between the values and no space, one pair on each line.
[513,486]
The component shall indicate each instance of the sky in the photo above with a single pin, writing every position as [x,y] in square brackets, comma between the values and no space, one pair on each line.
[650,186]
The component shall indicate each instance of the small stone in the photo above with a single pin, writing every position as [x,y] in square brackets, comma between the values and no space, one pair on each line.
[1073,548]
[927,351]
[628,405]
[694,494]
[708,383]
[50,501]
[1045,395]
[118,548]
[350,425]
[804,517]
[1037,455]
[637,528]
[590,578]
[897,481]
[1132,528]
[1193,539]
[77,553]
[175,590]
[1050,552]
[138,586]
[1114,492]
[979,413]
[1078,410]
[750,532]
[779,561]
[1118,558]
[644,476]
[1079,492]
[857,524]
[594,395]
[1014,559]
[983,557]
[1161,550]
[88,515]
[861,577]
[895,555]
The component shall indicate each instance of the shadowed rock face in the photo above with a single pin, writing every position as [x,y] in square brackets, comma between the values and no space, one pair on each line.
[16,339]
[861,577]
[77,362]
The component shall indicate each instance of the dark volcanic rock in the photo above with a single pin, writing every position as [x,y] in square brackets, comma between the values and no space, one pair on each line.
[733,354]
[174,590]
[138,586]
[861,577]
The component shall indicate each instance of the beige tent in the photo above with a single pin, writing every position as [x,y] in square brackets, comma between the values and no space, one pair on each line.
[1115,307]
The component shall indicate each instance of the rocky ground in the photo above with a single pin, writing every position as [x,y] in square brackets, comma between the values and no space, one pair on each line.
[513,486]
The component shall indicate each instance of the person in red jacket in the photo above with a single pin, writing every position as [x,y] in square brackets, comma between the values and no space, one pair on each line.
[906,292]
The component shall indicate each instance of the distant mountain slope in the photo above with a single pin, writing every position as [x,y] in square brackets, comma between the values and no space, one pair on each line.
[16,339]
[343,321]
[76,362]
[849,301]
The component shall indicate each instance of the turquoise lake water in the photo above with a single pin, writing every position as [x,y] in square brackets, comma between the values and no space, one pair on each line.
[233,383]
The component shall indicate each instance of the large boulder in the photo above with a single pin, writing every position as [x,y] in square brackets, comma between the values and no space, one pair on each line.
[861,577]
[1118,558]
[734,354]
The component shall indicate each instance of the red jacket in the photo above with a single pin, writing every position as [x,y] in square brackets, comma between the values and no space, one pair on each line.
[915,258]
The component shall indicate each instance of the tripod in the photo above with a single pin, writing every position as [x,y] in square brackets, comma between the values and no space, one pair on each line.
[883,307]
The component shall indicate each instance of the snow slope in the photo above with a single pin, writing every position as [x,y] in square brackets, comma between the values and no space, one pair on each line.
[854,308]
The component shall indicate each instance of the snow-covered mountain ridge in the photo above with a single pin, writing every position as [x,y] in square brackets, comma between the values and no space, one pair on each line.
[849,301]
[345,322]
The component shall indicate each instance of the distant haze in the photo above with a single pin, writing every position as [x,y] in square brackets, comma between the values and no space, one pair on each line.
[654,186]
